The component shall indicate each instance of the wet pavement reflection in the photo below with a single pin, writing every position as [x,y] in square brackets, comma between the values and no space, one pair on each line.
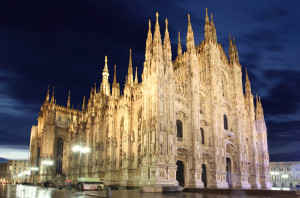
[23,191]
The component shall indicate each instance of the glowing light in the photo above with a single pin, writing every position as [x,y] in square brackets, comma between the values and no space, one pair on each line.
[47,162]
[81,149]
[274,173]
[285,176]
[34,169]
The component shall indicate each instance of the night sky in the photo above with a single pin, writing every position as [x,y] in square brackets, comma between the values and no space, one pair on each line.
[63,44]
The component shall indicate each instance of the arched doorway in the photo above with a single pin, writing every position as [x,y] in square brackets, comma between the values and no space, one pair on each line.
[204,180]
[228,170]
[180,173]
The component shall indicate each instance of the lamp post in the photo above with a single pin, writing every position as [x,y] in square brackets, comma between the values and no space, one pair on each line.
[80,149]
[47,163]
[34,169]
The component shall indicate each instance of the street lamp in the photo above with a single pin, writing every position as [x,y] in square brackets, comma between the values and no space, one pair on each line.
[80,149]
[34,169]
[47,163]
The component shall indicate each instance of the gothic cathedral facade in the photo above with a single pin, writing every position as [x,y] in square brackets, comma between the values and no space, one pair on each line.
[188,123]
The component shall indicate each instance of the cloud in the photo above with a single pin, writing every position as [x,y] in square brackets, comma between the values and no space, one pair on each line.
[14,153]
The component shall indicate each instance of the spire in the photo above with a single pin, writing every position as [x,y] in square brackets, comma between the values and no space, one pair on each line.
[104,87]
[236,54]
[68,102]
[52,97]
[207,28]
[231,51]
[167,44]
[149,43]
[213,30]
[190,42]
[115,85]
[95,90]
[179,49]
[83,104]
[259,110]
[105,65]
[130,73]
[206,17]
[136,77]
[115,75]
[157,46]
[47,95]
[247,85]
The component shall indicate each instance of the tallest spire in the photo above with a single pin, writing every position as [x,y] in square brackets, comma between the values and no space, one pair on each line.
[130,73]
[157,45]
[105,87]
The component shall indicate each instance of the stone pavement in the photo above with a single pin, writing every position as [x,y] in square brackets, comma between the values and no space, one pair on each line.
[21,191]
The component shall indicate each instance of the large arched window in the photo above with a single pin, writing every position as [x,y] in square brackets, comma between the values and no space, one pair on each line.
[202,135]
[38,157]
[179,128]
[225,122]
[59,155]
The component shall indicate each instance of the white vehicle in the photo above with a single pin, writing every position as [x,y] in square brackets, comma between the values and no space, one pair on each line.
[90,183]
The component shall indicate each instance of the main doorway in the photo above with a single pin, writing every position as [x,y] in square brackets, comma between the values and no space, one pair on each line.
[228,170]
[203,176]
[180,173]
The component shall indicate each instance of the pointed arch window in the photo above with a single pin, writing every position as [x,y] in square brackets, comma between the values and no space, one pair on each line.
[202,135]
[201,107]
[38,157]
[59,155]
[225,122]
[179,128]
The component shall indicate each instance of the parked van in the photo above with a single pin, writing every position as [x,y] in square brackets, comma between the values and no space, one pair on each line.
[90,183]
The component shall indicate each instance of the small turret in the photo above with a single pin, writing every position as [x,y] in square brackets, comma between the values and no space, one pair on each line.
[167,44]
[179,48]
[190,42]
[68,102]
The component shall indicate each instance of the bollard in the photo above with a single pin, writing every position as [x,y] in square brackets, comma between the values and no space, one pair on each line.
[108,191]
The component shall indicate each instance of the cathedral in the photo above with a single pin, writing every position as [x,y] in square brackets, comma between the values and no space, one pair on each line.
[190,123]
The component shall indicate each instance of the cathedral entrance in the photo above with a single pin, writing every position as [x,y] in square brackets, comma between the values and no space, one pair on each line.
[203,176]
[180,173]
[228,170]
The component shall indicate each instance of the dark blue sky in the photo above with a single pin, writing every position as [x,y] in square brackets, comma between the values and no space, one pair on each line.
[63,43]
